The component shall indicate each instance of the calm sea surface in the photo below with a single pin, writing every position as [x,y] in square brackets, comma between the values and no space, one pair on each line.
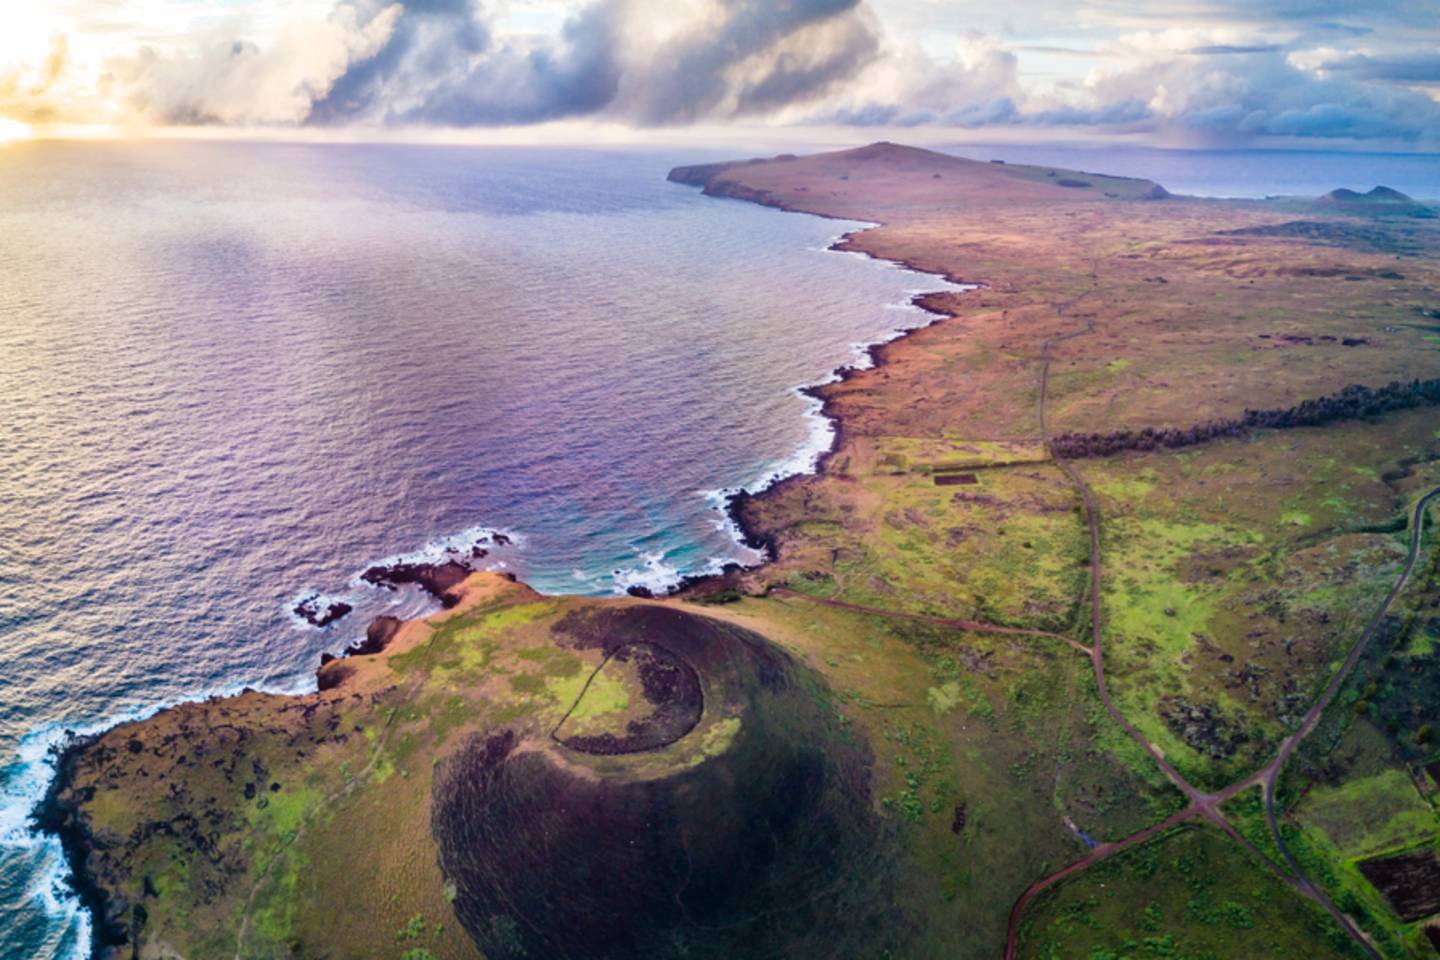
[233,375]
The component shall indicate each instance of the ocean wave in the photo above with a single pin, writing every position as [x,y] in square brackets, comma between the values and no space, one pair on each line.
[653,574]
[496,541]
[25,783]
[658,575]
[821,437]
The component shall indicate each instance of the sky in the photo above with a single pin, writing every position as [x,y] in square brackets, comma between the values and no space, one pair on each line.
[1170,72]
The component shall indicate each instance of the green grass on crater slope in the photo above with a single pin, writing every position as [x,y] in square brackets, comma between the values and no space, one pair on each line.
[982,745]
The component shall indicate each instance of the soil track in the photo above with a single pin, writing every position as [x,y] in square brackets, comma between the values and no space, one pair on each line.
[1271,773]
[1202,805]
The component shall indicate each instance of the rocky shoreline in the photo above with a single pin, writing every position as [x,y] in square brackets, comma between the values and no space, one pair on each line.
[704,176]
[923,392]
[443,579]
[61,819]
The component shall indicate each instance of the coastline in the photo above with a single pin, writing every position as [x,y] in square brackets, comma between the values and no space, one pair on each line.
[846,405]
[57,819]
[872,356]
[52,817]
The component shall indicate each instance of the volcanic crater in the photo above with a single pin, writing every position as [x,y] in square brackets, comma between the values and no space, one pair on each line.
[701,799]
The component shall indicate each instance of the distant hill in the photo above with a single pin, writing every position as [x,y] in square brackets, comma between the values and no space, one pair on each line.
[1377,195]
[887,175]
[1380,200]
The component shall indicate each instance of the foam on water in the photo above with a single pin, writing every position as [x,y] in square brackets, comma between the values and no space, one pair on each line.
[243,370]
[457,546]
[821,437]
[233,372]
[24,785]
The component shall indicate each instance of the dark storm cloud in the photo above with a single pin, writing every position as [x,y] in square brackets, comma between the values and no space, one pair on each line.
[800,74]
[1221,68]
[794,48]
[575,75]
[428,38]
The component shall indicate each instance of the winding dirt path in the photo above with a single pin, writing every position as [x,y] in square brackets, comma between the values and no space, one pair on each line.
[1271,773]
[1102,852]
[1201,805]
[1092,520]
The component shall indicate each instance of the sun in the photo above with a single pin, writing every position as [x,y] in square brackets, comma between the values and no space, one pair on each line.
[11,130]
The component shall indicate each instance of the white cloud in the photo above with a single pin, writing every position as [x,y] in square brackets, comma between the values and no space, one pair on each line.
[1222,68]
[235,81]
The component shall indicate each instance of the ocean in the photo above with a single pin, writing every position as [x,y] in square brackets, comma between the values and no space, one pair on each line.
[236,374]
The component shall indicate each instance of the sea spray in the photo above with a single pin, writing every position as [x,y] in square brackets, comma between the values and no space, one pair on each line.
[822,435]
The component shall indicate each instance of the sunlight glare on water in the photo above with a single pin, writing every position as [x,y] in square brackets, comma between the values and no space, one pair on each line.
[234,374]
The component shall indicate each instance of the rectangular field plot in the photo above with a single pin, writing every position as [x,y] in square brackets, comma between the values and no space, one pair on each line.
[1410,882]
[1370,815]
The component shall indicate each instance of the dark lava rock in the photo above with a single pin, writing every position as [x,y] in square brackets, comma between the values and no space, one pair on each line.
[377,636]
[333,674]
[644,593]
[731,815]
[437,579]
[1203,726]
[310,611]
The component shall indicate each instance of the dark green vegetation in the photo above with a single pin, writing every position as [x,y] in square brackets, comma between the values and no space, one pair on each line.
[1188,895]
[943,722]
[1353,403]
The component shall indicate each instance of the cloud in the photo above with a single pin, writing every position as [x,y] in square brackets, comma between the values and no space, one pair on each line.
[1265,93]
[978,86]
[442,62]
[33,96]
[1220,49]
[229,80]
[748,57]
[1419,67]
[1205,68]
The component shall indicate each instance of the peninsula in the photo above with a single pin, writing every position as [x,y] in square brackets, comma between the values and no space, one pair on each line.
[1107,628]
